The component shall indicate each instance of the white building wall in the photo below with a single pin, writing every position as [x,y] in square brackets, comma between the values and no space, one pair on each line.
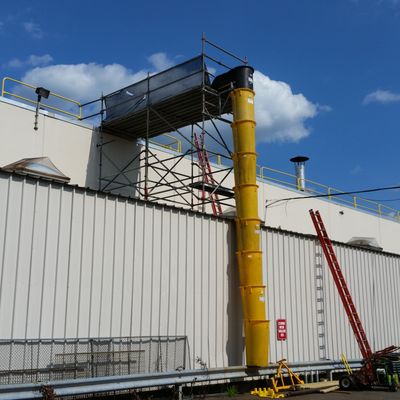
[73,147]
[77,263]
[343,222]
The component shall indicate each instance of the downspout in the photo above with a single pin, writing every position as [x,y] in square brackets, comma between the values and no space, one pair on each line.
[249,255]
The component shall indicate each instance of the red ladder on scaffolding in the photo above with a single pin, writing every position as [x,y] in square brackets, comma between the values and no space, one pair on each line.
[208,176]
[341,285]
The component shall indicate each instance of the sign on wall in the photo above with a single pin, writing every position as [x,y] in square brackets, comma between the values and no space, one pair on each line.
[281,332]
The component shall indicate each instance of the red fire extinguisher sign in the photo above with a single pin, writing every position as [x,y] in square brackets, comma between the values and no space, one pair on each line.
[281,332]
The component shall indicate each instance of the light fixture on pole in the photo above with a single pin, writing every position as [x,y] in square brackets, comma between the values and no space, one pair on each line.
[41,92]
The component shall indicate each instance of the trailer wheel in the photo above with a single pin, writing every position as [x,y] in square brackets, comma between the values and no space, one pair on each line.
[346,382]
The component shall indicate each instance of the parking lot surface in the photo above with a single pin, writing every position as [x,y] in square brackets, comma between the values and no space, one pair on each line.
[338,395]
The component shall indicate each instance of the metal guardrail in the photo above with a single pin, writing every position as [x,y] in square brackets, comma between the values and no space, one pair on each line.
[315,188]
[174,145]
[263,172]
[312,187]
[77,104]
[176,378]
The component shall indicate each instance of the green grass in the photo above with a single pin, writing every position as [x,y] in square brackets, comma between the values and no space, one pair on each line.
[231,391]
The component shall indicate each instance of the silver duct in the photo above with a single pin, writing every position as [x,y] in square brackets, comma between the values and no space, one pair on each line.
[299,165]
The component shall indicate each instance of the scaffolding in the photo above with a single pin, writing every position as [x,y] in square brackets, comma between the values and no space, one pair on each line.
[180,101]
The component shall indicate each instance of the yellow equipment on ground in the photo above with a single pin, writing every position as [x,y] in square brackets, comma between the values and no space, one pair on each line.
[266,392]
[278,381]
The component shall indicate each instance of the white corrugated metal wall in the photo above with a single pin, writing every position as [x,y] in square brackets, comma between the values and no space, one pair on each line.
[76,263]
[290,269]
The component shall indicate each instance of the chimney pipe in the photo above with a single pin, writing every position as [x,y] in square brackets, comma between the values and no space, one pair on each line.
[299,165]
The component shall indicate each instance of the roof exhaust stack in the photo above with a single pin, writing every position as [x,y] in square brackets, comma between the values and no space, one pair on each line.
[299,165]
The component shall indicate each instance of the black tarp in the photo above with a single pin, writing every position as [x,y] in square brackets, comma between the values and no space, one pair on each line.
[155,89]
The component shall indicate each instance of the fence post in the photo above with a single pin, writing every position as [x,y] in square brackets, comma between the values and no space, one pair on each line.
[91,357]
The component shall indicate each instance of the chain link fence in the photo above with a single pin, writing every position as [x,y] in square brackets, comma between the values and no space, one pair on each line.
[30,361]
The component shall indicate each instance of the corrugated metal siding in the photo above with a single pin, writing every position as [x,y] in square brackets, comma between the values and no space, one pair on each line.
[373,279]
[289,274]
[76,263]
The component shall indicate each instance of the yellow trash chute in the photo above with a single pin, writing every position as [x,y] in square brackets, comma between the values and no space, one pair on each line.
[248,254]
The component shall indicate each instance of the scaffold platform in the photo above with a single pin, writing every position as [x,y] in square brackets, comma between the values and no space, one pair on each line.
[172,99]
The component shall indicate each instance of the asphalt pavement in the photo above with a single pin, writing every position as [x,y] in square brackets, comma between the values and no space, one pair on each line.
[337,395]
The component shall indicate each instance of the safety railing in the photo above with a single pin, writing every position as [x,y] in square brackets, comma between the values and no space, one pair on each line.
[174,143]
[312,187]
[315,188]
[75,105]
[215,158]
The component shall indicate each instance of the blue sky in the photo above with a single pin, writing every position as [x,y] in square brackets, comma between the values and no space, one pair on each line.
[329,70]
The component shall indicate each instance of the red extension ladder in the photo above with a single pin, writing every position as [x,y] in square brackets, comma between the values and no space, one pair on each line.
[341,285]
[208,175]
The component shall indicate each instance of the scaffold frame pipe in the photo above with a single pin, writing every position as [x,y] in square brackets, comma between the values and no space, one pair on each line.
[147,176]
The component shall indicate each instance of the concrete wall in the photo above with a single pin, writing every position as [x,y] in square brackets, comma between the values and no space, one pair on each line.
[342,222]
[73,147]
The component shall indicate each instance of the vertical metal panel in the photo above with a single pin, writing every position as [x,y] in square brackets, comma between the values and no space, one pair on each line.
[289,268]
[75,263]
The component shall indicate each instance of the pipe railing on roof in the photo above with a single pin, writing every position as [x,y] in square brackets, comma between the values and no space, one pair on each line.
[290,180]
[5,92]
[263,172]
[317,188]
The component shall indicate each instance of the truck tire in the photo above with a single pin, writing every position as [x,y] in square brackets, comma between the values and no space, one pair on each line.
[346,382]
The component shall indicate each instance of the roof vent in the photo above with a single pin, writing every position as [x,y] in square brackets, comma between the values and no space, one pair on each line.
[37,166]
[367,242]
[299,165]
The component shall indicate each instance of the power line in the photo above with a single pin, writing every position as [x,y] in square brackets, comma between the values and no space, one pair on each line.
[335,194]
[382,200]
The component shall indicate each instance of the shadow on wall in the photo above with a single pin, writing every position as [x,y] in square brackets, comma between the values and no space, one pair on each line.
[235,342]
[117,161]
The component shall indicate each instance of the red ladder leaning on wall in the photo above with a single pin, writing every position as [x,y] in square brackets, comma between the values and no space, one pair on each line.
[367,374]
[341,285]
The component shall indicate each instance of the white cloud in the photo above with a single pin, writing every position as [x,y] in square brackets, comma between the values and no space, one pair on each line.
[160,61]
[14,63]
[88,81]
[281,114]
[83,82]
[33,29]
[324,107]
[33,61]
[381,96]
[36,61]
